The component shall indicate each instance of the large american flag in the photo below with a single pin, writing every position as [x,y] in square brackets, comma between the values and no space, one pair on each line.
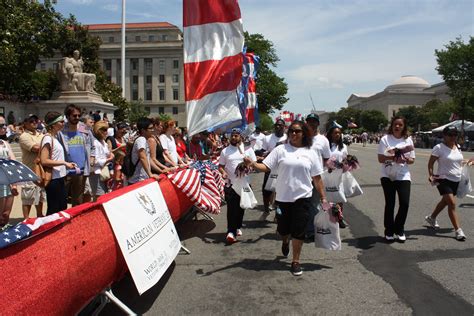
[247,92]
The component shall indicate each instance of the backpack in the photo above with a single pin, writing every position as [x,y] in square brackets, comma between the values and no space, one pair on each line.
[128,167]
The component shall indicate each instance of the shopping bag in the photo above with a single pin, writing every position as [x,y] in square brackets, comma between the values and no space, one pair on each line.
[464,186]
[326,229]
[392,168]
[104,174]
[333,186]
[247,198]
[351,186]
[271,182]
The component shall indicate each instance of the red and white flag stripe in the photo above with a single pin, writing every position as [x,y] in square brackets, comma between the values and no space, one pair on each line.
[213,43]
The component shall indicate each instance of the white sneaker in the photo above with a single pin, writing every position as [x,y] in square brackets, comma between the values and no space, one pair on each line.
[401,238]
[432,222]
[230,238]
[460,235]
[239,232]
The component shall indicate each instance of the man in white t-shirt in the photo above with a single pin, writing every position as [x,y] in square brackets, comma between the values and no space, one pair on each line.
[278,137]
[256,139]
[323,149]
[230,158]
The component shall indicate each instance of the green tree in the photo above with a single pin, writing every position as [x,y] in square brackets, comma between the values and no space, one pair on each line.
[416,117]
[344,115]
[438,112]
[372,120]
[266,122]
[136,111]
[271,89]
[456,66]
[28,30]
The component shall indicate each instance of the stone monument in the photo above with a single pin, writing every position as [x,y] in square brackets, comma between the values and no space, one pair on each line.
[76,87]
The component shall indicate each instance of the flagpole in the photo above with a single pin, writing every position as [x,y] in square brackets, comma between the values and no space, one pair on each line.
[123,50]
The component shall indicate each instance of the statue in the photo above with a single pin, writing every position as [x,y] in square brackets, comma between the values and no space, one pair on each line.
[71,76]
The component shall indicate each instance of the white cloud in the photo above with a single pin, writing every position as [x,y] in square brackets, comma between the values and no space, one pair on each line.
[111,7]
[82,2]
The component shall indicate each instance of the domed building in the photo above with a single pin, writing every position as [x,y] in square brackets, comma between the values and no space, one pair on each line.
[405,91]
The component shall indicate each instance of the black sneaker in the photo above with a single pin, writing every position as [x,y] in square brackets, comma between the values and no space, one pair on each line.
[285,248]
[296,269]
[343,223]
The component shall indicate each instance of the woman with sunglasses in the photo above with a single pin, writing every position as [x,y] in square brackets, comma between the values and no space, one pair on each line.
[101,156]
[450,161]
[395,153]
[52,155]
[7,191]
[298,168]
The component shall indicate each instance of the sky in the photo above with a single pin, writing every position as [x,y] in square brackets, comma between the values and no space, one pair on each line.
[327,49]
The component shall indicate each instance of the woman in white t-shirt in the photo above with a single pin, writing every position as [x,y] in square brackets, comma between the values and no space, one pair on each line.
[298,168]
[450,160]
[52,155]
[168,143]
[339,153]
[395,153]
[101,156]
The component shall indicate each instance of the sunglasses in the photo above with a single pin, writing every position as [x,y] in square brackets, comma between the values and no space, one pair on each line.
[103,129]
[3,125]
[295,131]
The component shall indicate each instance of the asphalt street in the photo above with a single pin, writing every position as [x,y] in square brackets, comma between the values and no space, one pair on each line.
[430,274]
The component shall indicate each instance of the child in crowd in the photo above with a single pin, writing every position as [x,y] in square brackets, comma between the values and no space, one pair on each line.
[116,182]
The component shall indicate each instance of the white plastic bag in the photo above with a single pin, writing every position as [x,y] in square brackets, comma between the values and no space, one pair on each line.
[271,182]
[392,168]
[333,186]
[326,231]
[464,186]
[351,186]
[242,187]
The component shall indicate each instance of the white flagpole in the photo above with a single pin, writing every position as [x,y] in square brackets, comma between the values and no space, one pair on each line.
[123,49]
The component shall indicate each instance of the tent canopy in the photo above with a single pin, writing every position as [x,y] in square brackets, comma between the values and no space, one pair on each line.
[468,126]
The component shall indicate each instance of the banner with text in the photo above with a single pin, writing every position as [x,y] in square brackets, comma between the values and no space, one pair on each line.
[145,232]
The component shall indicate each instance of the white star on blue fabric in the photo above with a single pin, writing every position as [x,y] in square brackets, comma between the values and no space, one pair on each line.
[6,240]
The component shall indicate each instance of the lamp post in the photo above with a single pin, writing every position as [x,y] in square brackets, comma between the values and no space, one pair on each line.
[123,50]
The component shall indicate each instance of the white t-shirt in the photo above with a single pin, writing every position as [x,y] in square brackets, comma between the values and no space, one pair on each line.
[168,144]
[321,145]
[257,140]
[339,154]
[449,162]
[395,171]
[101,153]
[271,140]
[296,168]
[231,157]
[57,154]
[140,173]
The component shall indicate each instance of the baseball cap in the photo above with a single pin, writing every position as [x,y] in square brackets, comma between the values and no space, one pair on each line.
[312,116]
[450,130]
[31,117]
[236,131]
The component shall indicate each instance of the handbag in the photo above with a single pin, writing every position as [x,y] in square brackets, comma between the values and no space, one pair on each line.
[351,186]
[333,186]
[270,185]
[327,235]
[104,174]
[45,174]
[464,186]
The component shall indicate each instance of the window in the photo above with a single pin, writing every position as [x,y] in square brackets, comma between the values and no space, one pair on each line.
[147,110]
[162,64]
[161,110]
[134,94]
[175,94]
[164,37]
[138,38]
[55,66]
[161,79]
[134,63]
[176,123]
[148,95]
[126,39]
[175,64]
[148,65]
[43,66]
[148,79]
[111,39]
[135,79]
[108,64]
[175,110]
[162,94]
[175,78]
[151,38]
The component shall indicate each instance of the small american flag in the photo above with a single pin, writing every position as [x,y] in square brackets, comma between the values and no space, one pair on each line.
[12,171]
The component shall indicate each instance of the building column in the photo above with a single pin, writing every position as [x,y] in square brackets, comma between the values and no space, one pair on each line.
[154,81]
[127,79]
[113,70]
[141,78]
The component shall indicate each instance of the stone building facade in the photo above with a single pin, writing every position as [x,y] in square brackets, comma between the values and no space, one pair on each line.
[153,65]
[403,92]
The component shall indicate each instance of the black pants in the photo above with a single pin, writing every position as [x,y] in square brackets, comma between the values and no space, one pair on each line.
[390,189]
[235,214]
[56,196]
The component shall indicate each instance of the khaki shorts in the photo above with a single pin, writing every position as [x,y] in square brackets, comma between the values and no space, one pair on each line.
[31,194]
